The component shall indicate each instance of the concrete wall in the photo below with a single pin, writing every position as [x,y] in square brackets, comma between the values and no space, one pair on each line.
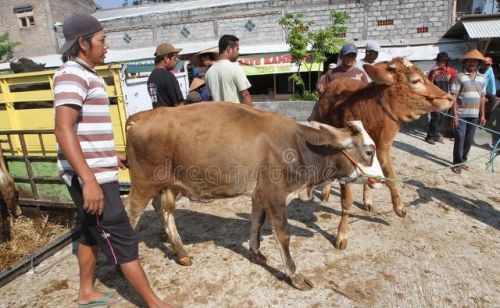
[301,110]
[210,24]
[39,39]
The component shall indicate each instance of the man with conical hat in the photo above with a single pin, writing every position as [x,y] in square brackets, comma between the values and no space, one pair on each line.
[469,90]
[205,58]
[194,95]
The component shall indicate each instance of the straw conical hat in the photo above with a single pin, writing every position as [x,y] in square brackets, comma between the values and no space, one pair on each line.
[195,60]
[196,83]
[474,55]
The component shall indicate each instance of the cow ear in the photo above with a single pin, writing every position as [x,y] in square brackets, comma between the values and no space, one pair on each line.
[378,74]
[322,149]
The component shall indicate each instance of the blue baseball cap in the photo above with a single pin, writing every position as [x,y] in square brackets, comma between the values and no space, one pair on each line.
[348,48]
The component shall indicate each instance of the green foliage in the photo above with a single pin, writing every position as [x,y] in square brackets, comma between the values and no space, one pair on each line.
[297,35]
[308,47]
[306,96]
[6,46]
[329,40]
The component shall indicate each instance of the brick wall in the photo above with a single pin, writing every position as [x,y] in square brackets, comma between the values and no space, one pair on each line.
[40,39]
[405,16]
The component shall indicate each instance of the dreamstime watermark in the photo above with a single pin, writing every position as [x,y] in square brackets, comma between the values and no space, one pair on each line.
[287,170]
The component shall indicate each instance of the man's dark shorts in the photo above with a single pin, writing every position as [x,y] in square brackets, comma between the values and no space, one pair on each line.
[111,230]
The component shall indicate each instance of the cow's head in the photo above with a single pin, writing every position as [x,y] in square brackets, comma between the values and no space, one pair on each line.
[411,93]
[348,149]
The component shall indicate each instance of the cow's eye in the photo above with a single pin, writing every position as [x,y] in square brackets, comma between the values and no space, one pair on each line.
[415,81]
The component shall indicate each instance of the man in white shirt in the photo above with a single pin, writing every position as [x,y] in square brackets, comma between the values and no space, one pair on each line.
[225,79]
[372,50]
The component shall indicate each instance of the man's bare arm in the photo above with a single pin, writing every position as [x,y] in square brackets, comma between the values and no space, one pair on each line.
[66,117]
[245,96]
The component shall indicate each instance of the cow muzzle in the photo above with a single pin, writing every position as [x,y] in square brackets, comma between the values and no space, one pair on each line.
[444,103]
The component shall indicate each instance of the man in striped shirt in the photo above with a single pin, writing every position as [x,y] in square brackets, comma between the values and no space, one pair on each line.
[88,162]
[468,89]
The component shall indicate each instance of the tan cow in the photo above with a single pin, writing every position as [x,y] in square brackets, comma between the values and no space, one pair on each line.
[215,150]
[400,93]
[9,196]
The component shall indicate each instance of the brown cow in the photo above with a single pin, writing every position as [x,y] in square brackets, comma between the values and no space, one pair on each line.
[216,150]
[399,93]
[9,196]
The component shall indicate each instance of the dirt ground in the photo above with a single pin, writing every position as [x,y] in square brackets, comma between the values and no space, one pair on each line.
[444,253]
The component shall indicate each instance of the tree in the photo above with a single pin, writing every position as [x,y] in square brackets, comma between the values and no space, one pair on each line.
[308,47]
[6,46]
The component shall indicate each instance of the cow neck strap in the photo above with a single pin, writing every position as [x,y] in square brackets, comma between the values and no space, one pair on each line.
[384,108]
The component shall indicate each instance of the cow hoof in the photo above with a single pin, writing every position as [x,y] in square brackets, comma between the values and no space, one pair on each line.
[367,207]
[185,261]
[400,212]
[341,244]
[301,283]
[258,258]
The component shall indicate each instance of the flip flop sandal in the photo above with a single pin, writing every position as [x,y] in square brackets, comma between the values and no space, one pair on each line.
[106,300]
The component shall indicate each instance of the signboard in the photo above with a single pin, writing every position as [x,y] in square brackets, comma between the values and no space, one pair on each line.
[275,65]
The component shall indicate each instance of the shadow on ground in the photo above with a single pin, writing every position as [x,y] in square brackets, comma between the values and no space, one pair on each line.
[475,208]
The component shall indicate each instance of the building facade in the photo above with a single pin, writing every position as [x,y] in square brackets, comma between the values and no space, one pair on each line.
[31,22]
[257,21]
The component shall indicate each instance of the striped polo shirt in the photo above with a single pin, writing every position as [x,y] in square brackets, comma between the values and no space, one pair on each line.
[75,83]
[469,92]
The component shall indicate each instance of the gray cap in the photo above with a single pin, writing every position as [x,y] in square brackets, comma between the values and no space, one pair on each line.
[372,45]
[76,26]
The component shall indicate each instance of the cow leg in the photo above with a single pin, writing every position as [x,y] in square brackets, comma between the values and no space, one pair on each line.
[164,206]
[325,194]
[5,230]
[346,202]
[385,163]
[367,198]
[258,218]
[276,211]
[135,205]
[305,194]
[8,194]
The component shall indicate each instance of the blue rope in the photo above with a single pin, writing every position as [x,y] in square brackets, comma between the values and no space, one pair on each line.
[493,155]
[489,163]
[476,125]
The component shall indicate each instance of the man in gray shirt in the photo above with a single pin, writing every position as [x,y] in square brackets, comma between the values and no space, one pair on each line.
[225,79]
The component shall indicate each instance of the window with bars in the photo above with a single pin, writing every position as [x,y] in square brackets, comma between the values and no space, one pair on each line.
[385,22]
[25,16]
[422,30]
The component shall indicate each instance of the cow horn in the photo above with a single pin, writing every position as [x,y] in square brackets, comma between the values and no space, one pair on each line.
[129,125]
[407,63]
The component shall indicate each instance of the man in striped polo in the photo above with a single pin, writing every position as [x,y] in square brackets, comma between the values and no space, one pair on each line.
[88,162]
[469,90]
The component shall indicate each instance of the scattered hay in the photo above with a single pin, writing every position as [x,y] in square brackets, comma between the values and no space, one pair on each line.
[55,285]
[28,235]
